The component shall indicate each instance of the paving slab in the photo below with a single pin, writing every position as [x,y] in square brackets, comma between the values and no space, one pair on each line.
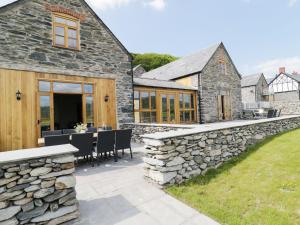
[117,194]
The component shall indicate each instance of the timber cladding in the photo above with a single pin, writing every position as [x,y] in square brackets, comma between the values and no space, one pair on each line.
[19,127]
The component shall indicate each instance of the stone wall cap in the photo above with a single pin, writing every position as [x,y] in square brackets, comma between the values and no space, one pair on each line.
[183,126]
[33,153]
[203,128]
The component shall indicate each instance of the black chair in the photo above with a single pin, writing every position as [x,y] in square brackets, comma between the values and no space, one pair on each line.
[92,130]
[106,144]
[51,133]
[270,113]
[279,113]
[84,142]
[123,140]
[57,140]
[275,113]
[69,131]
[106,128]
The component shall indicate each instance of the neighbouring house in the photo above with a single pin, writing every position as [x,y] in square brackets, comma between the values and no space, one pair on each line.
[59,65]
[285,93]
[138,71]
[255,91]
[202,87]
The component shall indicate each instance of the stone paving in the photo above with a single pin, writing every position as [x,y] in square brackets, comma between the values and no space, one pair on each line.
[117,193]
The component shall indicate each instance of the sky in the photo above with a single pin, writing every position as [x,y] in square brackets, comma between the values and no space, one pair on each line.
[260,35]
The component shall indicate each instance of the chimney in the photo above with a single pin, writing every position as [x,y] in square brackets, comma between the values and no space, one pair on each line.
[281,70]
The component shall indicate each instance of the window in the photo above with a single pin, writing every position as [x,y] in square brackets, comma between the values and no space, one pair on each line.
[222,66]
[65,31]
[187,107]
[145,106]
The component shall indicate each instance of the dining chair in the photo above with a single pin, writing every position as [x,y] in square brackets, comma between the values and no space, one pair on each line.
[123,140]
[57,140]
[51,133]
[84,143]
[69,131]
[106,144]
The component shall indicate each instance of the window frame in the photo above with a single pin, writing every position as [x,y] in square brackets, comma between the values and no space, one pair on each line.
[150,110]
[222,65]
[191,109]
[66,29]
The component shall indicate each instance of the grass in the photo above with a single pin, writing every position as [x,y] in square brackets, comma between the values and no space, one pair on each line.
[261,187]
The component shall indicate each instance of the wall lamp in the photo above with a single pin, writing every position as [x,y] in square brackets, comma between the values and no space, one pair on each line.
[18,95]
[106,98]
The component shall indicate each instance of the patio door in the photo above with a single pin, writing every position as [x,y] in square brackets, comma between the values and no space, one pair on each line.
[62,104]
[168,112]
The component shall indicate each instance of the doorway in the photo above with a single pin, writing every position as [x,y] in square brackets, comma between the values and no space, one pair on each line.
[168,113]
[67,111]
[224,107]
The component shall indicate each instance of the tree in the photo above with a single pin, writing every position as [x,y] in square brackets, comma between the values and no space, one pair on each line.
[151,61]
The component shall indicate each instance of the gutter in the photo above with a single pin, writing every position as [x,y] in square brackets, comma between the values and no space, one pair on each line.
[200,93]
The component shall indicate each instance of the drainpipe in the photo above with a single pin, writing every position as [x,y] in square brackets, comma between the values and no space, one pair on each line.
[131,62]
[200,94]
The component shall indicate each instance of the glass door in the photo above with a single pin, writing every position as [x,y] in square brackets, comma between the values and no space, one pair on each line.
[168,113]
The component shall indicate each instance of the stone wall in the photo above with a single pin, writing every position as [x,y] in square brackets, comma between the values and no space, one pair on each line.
[288,108]
[140,129]
[38,191]
[175,158]
[215,83]
[248,94]
[26,44]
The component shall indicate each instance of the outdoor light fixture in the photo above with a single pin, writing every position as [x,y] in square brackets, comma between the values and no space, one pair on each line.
[106,98]
[18,95]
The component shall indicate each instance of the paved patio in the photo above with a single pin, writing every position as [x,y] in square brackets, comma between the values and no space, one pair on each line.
[117,193]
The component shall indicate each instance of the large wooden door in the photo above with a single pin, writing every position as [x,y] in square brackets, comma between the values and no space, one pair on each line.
[224,107]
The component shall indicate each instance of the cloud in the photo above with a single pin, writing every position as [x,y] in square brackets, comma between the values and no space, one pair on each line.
[112,4]
[291,3]
[271,67]
[108,4]
[157,4]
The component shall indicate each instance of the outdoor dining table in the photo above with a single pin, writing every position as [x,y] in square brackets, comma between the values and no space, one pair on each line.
[41,141]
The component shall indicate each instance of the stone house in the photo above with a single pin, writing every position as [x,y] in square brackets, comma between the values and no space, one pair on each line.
[255,89]
[285,92]
[59,65]
[213,80]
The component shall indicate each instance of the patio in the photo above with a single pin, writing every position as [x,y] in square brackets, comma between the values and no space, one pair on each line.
[117,193]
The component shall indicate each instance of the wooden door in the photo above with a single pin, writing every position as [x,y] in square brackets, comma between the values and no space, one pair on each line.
[168,108]
[227,107]
[219,107]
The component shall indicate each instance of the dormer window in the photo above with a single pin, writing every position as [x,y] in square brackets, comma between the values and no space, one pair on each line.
[66,31]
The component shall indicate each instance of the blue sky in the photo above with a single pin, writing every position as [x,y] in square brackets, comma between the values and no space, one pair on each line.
[260,35]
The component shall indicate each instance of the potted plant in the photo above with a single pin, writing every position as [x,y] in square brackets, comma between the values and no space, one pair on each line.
[80,128]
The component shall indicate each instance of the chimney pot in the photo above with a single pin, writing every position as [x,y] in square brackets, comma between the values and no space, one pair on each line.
[281,70]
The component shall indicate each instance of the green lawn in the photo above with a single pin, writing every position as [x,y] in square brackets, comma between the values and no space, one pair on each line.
[261,187]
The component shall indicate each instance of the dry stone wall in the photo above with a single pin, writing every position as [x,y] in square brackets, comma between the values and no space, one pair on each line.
[38,191]
[175,159]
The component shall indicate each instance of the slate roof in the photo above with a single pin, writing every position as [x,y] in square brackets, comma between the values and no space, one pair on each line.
[161,84]
[251,80]
[188,65]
